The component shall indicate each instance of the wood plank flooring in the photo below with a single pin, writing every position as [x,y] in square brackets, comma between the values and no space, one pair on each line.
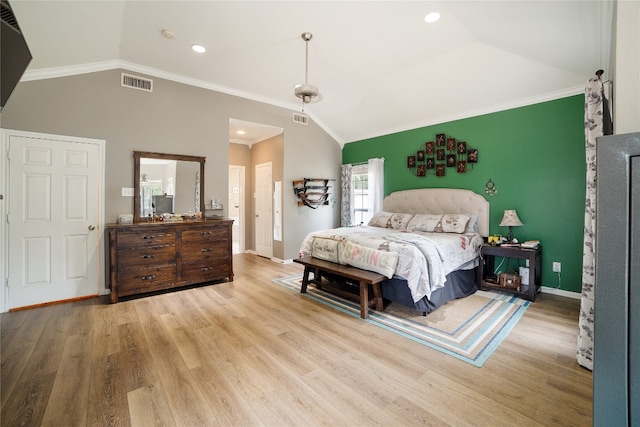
[251,353]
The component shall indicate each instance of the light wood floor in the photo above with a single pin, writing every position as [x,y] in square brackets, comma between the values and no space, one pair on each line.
[251,353]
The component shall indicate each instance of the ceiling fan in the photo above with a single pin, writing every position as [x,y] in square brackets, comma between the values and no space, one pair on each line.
[305,91]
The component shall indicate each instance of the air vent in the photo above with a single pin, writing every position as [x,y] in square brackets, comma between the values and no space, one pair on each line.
[136,82]
[7,16]
[303,119]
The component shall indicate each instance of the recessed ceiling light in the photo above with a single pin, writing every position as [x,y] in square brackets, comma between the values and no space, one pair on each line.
[431,17]
[198,48]
[240,132]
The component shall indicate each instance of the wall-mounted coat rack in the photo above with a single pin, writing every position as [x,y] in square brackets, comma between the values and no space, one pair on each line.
[312,192]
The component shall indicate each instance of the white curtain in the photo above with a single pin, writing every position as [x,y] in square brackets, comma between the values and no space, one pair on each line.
[376,184]
[597,122]
[346,201]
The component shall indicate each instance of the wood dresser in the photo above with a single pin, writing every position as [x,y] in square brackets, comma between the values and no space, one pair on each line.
[146,257]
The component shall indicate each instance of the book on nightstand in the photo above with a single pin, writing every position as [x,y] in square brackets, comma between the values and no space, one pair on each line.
[530,244]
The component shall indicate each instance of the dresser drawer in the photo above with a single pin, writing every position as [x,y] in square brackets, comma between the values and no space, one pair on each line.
[142,238]
[204,271]
[147,256]
[201,251]
[205,234]
[146,278]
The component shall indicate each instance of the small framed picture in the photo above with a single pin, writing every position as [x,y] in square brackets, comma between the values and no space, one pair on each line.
[440,139]
[440,169]
[462,166]
[429,147]
[421,170]
[411,161]
[472,155]
[431,164]
[451,144]
[462,147]
[420,155]
[440,154]
[451,160]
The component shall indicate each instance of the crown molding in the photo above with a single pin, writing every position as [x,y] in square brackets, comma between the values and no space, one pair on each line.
[50,73]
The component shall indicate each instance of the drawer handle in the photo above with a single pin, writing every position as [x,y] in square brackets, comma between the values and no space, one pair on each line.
[148,237]
[205,250]
[150,277]
[206,268]
[204,233]
[148,256]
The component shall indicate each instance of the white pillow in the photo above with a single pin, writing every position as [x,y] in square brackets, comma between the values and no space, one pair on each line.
[447,223]
[472,225]
[426,222]
[397,221]
[326,249]
[454,223]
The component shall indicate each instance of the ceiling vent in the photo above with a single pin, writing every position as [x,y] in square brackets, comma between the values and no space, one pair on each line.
[303,119]
[7,16]
[135,82]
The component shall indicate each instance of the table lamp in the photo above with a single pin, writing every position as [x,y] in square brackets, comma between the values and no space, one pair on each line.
[510,219]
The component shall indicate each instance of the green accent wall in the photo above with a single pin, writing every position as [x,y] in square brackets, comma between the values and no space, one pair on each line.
[535,155]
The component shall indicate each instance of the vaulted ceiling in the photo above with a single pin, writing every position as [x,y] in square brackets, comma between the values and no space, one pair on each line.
[380,68]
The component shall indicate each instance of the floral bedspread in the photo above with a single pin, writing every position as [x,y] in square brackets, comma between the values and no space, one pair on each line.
[424,259]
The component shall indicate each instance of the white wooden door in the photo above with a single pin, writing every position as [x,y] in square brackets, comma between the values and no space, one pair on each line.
[264,210]
[54,194]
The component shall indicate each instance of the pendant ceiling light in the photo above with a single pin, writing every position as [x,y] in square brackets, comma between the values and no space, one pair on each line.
[306,92]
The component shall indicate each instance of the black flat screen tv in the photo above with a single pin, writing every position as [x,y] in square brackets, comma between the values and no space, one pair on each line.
[14,53]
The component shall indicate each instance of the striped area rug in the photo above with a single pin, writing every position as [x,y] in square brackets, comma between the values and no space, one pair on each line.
[470,329]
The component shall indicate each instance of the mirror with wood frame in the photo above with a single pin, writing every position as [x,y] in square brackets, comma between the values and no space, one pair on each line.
[167,183]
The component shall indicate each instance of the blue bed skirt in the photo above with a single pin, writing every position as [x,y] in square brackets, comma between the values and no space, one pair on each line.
[459,284]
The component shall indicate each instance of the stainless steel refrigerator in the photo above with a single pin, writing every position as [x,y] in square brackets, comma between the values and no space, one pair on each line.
[616,369]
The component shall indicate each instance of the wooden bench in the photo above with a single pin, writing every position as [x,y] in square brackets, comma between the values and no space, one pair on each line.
[363,277]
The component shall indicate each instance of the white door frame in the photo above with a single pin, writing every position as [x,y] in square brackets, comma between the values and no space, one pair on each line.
[241,210]
[4,206]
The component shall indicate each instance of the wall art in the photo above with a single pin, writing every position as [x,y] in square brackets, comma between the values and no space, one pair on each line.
[434,157]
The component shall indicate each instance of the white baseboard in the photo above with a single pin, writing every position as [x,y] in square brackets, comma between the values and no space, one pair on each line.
[274,259]
[281,261]
[561,292]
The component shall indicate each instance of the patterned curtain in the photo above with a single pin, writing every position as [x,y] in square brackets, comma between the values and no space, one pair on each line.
[376,184]
[346,207]
[597,122]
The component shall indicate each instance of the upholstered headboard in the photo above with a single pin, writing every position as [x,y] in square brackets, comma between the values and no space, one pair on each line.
[440,201]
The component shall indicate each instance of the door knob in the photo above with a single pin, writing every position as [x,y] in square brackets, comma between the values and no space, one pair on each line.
[92,227]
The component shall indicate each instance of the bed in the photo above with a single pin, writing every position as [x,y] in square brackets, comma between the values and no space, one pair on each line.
[425,241]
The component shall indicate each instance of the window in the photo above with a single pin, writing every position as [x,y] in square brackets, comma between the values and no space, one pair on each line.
[360,195]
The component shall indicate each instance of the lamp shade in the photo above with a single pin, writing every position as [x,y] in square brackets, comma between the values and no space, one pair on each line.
[510,219]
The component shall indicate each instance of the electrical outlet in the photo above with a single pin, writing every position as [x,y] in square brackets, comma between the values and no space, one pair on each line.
[557,267]
[127,192]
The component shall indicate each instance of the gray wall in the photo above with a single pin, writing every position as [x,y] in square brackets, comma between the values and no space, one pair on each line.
[174,118]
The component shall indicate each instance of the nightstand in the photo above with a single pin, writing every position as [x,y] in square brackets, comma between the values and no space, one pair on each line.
[489,281]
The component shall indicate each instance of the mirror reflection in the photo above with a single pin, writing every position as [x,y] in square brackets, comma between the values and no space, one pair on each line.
[167,184]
